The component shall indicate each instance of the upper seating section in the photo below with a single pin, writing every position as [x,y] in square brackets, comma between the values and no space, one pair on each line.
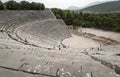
[16,18]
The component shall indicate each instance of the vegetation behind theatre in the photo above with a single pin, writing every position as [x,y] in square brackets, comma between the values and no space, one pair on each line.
[109,21]
[23,5]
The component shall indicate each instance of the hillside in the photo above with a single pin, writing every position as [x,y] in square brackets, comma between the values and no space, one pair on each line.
[73,8]
[113,6]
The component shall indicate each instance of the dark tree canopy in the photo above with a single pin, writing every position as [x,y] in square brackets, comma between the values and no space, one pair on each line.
[37,6]
[23,5]
[109,21]
[11,5]
[2,6]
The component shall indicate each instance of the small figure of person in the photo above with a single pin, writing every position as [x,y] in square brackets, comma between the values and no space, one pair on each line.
[98,49]
[26,41]
[59,47]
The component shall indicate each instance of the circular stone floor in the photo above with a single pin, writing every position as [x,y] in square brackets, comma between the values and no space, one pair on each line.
[80,42]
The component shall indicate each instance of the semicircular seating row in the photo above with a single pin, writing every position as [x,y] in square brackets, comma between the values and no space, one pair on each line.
[37,27]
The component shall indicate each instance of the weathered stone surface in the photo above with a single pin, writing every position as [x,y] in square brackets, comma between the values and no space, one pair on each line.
[20,58]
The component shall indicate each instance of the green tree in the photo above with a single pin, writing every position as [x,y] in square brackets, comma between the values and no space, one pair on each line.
[42,7]
[25,5]
[69,18]
[76,22]
[2,6]
[12,5]
[109,21]
[39,6]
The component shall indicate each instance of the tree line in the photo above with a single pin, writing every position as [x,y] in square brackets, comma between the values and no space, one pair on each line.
[109,21]
[23,5]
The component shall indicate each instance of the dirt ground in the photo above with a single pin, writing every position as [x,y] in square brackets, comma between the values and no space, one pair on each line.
[107,34]
[80,42]
[88,37]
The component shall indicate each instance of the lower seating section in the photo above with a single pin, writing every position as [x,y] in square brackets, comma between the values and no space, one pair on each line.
[39,41]
[43,63]
[7,43]
[107,55]
[17,59]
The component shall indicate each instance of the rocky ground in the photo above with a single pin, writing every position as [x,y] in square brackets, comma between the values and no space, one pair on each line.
[25,37]
[19,60]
